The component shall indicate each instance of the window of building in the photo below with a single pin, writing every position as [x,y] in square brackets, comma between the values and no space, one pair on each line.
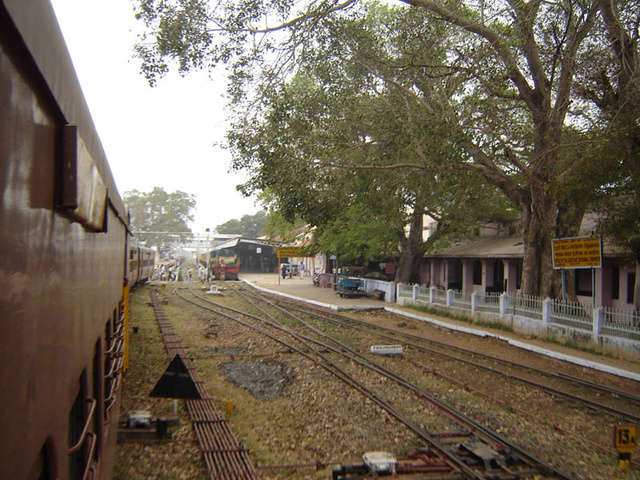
[584,286]
[477,272]
[631,285]
[615,283]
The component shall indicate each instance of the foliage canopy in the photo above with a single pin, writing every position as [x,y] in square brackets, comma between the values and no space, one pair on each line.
[524,94]
[159,218]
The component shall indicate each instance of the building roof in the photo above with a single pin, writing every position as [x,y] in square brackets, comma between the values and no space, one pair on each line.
[493,246]
[238,240]
[497,246]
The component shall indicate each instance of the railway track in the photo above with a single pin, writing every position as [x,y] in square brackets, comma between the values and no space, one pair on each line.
[467,450]
[620,406]
[224,458]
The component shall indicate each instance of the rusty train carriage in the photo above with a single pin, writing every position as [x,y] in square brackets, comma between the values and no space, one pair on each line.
[63,262]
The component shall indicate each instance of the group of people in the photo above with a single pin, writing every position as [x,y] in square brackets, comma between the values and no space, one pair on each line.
[166,273]
[171,273]
[287,270]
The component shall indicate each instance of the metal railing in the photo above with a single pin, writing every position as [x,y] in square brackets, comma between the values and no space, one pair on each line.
[460,299]
[580,317]
[571,314]
[528,306]
[440,296]
[618,323]
[489,302]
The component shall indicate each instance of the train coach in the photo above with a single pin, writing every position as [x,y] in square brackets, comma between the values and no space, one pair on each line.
[64,265]
[141,264]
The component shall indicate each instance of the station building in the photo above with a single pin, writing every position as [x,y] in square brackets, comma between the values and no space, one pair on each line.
[493,263]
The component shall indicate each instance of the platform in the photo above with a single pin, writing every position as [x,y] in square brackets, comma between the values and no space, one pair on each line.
[302,288]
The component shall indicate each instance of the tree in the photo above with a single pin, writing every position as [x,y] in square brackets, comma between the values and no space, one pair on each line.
[522,66]
[338,147]
[158,218]
[251,226]
[613,85]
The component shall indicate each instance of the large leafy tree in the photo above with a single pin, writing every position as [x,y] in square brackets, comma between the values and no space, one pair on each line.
[251,226]
[526,66]
[612,84]
[160,218]
[347,150]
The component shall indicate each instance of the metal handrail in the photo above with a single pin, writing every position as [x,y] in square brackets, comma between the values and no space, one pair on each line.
[92,449]
[87,423]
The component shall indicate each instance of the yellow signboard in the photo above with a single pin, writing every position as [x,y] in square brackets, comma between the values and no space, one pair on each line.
[286,252]
[578,252]
[625,438]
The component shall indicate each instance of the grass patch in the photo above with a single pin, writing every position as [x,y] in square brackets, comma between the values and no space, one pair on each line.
[439,312]
[460,318]
[495,325]
[569,343]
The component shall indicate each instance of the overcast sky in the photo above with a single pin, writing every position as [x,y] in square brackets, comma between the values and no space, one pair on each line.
[163,136]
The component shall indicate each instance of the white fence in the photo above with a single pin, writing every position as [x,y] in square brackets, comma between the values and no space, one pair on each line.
[389,288]
[536,315]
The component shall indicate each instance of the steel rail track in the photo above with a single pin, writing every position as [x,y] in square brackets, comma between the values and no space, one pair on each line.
[479,431]
[447,410]
[455,463]
[591,385]
[393,335]
[321,314]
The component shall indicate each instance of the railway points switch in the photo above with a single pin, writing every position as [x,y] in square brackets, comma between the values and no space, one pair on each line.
[489,457]
[380,462]
[139,419]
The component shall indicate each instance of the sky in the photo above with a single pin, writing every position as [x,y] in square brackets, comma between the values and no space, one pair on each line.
[163,136]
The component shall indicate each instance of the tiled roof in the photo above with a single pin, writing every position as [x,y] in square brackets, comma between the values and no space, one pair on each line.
[497,246]
[484,247]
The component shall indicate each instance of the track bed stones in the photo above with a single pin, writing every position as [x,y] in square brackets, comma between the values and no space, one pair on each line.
[265,380]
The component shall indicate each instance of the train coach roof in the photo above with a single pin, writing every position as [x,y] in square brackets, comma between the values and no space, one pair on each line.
[37,26]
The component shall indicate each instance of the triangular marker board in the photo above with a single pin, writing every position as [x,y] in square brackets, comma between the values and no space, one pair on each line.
[176,382]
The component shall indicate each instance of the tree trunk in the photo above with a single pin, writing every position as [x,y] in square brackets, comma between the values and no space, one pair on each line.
[636,288]
[411,249]
[539,222]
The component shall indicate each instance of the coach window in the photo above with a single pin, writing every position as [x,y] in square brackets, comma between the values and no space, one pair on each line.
[44,467]
[107,359]
[98,393]
[78,420]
